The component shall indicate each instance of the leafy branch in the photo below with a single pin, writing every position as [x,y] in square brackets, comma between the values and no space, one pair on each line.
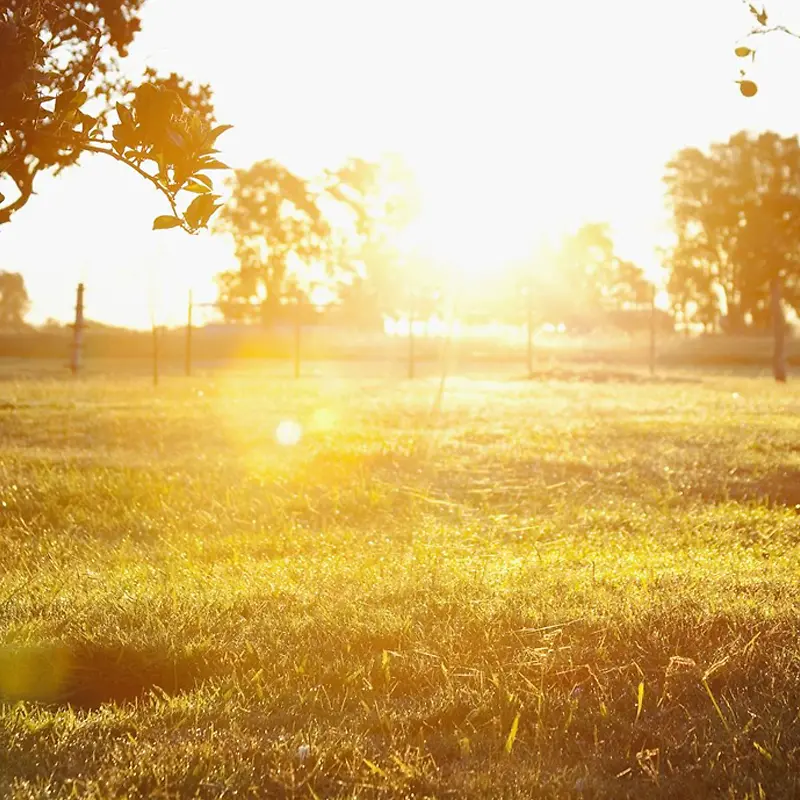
[164,133]
[748,87]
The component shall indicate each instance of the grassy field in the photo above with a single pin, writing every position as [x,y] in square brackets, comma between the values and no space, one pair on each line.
[548,589]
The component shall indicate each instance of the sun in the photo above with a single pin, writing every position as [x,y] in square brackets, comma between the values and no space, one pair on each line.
[474,228]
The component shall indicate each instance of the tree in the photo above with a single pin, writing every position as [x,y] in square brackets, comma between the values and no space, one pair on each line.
[343,226]
[585,280]
[278,230]
[691,286]
[383,199]
[53,56]
[749,89]
[14,301]
[736,214]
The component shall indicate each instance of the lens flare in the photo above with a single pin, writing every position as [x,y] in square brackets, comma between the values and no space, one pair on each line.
[288,433]
[38,673]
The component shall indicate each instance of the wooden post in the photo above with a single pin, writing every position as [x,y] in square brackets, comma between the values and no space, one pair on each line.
[297,334]
[445,356]
[529,325]
[779,331]
[653,329]
[155,354]
[189,337]
[77,332]
[411,354]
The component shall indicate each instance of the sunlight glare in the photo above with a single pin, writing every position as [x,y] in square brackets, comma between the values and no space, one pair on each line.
[288,433]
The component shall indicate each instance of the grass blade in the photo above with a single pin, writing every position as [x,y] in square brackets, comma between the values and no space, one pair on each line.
[512,734]
[639,700]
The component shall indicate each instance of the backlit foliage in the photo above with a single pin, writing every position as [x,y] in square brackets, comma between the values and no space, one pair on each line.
[339,226]
[59,89]
[277,225]
[736,213]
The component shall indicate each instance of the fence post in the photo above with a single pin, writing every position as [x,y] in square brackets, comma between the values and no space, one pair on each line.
[297,333]
[653,329]
[189,337]
[155,354]
[411,354]
[529,295]
[77,332]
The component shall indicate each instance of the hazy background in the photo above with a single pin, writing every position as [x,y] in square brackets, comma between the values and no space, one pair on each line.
[520,119]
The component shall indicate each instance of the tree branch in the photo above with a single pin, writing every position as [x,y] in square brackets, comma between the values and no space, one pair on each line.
[24,184]
[93,148]
[72,16]
[775,29]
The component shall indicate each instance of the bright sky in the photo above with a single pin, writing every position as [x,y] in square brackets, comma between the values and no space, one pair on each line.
[520,117]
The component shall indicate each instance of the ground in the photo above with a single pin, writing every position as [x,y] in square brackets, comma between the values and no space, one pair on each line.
[549,588]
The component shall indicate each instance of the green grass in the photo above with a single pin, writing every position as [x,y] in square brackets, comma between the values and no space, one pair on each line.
[549,589]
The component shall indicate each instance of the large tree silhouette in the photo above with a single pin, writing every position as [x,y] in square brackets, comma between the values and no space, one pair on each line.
[736,213]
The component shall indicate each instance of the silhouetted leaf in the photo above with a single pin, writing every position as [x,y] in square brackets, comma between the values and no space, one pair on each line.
[761,16]
[176,138]
[216,133]
[165,222]
[70,99]
[196,187]
[743,52]
[125,115]
[748,88]
[212,163]
[123,134]
[87,122]
[204,179]
[200,210]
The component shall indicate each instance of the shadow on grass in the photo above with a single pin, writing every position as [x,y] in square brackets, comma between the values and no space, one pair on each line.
[536,483]
[780,487]
[397,489]
[593,375]
[85,675]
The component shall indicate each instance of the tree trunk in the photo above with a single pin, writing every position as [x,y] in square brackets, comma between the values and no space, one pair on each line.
[779,332]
